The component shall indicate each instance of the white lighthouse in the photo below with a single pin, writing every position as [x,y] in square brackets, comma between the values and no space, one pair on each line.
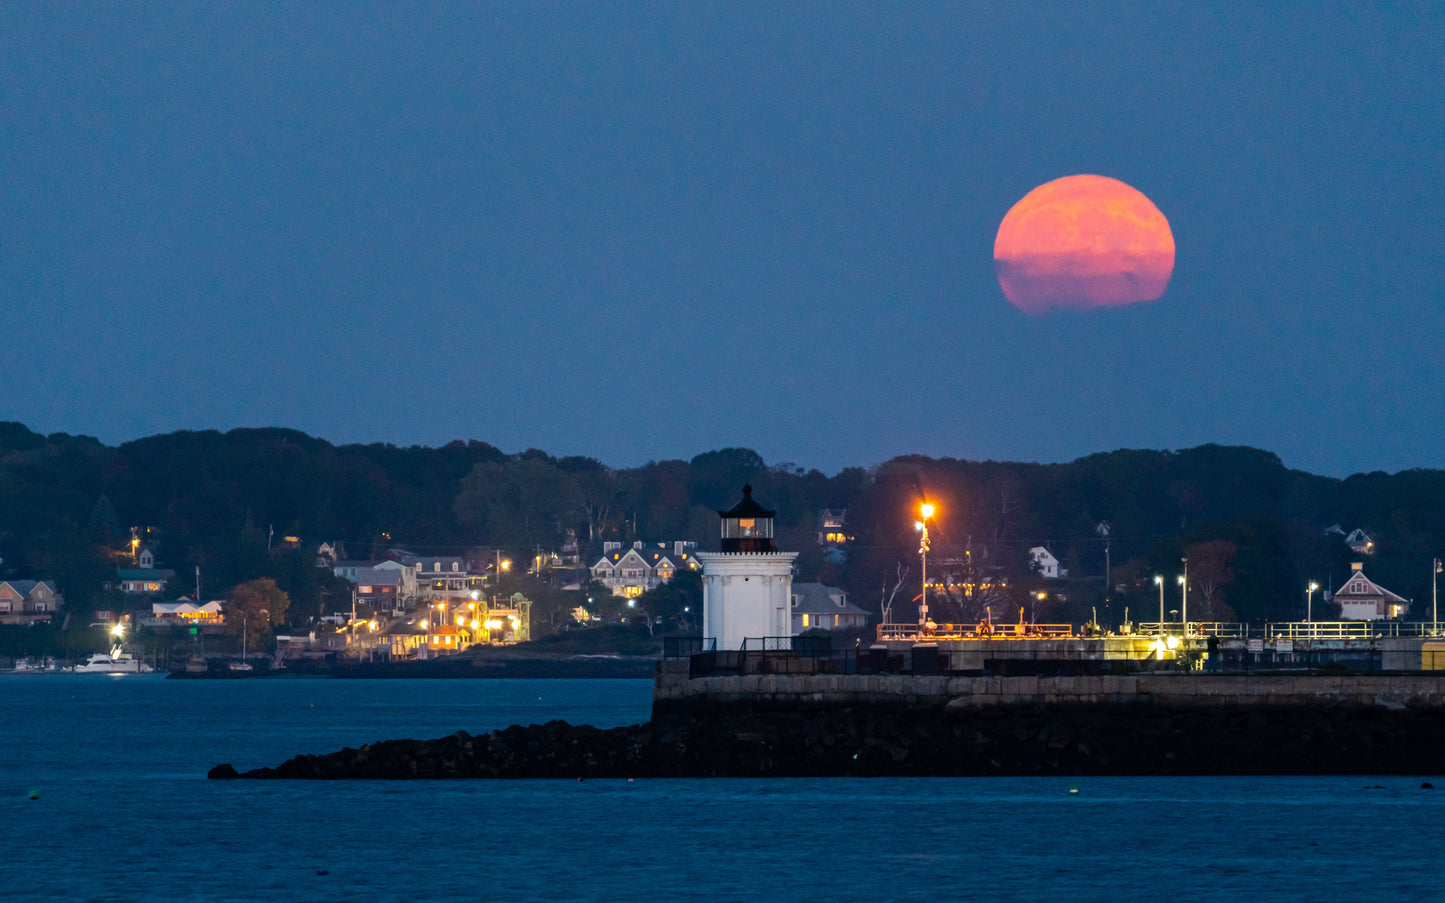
[747,588]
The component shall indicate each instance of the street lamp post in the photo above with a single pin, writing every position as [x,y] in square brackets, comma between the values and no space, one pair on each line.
[1435,599]
[1309,600]
[926,510]
[1159,581]
[1184,603]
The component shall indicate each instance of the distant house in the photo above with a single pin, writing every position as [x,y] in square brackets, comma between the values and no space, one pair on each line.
[446,638]
[815,605]
[346,568]
[1362,599]
[185,612]
[1045,564]
[438,577]
[833,534]
[378,588]
[144,581]
[316,645]
[28,601]
[1360,542]
[630,572]
[404,638]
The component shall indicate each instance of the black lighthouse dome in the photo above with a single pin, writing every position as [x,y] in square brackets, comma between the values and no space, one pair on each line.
[747,526]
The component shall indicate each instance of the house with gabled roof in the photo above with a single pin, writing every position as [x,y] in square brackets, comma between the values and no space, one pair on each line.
[186,611]
[28,601]
[631,571]
[817,605]
[437,576]
[1360,542]
[833,534]
[1045,564]
[1362,599]
[144,581]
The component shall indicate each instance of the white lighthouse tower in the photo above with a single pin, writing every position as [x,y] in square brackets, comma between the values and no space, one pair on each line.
[747,588]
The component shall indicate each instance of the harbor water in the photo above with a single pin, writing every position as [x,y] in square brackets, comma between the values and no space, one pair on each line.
[103,789]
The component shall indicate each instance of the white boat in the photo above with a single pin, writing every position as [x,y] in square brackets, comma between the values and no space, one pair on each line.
[30,666]
[114,662]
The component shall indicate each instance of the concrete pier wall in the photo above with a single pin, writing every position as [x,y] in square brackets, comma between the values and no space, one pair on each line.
[1171,691]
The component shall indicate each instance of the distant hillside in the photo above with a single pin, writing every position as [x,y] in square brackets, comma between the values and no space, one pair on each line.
[215,500]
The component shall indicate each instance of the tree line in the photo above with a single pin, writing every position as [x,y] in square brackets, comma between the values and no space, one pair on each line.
[1255,531]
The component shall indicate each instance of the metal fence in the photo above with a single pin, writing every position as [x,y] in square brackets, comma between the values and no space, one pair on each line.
[978,631]
[687,646]
[1348,630]
[776,655]
[1223,629]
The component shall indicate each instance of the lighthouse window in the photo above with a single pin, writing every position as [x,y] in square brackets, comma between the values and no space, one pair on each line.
[746,526]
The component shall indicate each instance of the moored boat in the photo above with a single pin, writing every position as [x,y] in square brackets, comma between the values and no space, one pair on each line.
[114,662]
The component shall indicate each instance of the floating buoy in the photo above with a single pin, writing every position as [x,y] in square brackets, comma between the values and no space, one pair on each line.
[1073,789]
[35,794]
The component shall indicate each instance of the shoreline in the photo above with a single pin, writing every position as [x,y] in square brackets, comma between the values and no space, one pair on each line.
[569,667]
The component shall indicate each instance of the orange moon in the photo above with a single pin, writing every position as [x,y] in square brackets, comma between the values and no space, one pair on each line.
[1083,242]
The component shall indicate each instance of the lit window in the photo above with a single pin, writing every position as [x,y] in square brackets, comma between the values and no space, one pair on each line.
[805,620]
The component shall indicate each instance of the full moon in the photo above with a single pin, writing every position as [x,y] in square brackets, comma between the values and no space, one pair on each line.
[1083,242]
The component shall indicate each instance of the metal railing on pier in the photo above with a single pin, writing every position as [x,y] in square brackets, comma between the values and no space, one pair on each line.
[776,655]
[1307,630]
[978,631]
[1222,629]
[687,646]
[1348,630]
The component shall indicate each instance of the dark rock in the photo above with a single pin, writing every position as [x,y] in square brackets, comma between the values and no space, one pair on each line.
[747,740]
[222,772]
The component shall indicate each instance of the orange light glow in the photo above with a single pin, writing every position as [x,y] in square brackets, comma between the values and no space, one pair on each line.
[1083,242]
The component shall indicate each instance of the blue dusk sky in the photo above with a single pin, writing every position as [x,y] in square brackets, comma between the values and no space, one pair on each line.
[640,231]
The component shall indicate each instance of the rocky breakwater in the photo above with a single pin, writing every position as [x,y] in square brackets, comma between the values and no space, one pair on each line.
[932,740]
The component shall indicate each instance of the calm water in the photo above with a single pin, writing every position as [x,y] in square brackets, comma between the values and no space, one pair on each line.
[125,813]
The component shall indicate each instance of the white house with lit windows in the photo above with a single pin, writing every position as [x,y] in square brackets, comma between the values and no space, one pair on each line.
[439,577]
[630,571]
[1362,599]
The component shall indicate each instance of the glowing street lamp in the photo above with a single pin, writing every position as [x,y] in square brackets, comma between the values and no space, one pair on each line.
[1159,582]
[926,510]
[1309,600]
